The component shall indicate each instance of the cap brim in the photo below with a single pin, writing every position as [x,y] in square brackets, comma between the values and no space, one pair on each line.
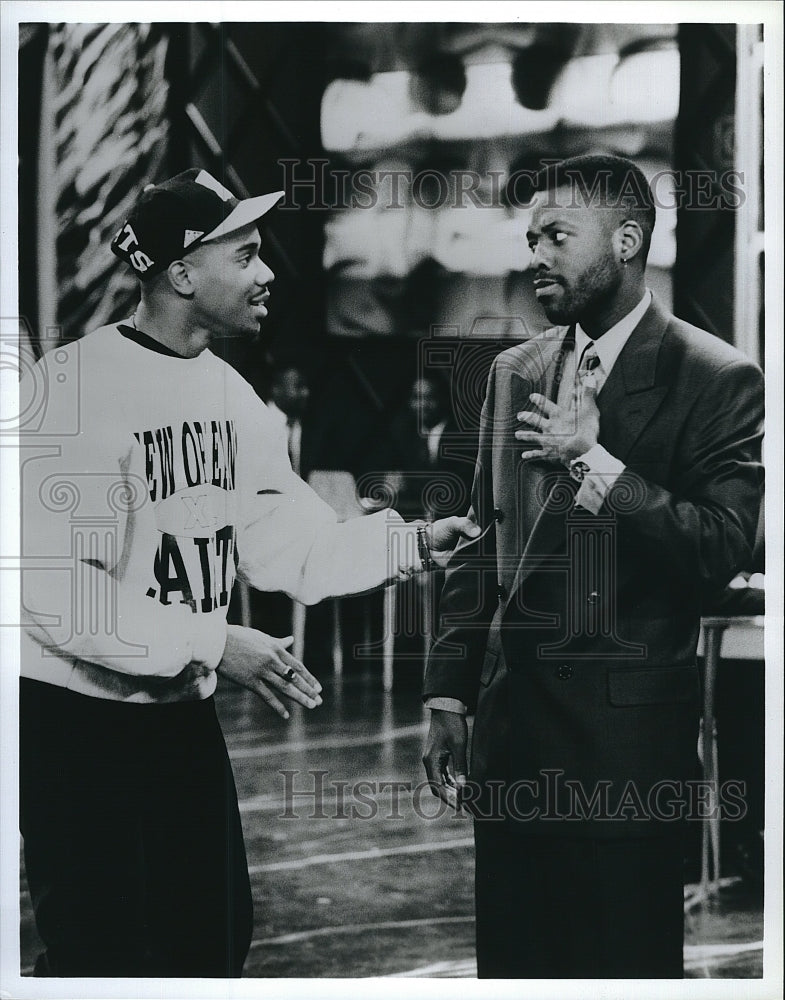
[247,211]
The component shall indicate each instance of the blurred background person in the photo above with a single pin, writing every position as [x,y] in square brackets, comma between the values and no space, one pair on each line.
[427,474]
[288,402]
[430,470]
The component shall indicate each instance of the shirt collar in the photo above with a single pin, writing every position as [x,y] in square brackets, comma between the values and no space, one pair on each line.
[145,340]
[276,412]
[609,345]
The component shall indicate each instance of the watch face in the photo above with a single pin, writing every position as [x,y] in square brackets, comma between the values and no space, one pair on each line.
[578,470]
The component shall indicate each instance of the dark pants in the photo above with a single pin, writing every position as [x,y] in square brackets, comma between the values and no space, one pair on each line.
[560,908]
[133,846]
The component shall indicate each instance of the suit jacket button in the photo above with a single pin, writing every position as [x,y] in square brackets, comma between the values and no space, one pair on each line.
[564,672]
[593,597]
[501,593]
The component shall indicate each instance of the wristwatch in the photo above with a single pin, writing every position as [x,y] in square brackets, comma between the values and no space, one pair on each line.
[578,469]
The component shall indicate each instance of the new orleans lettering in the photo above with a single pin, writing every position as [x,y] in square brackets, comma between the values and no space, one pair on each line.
[190,476]
[214,464]
[208,452]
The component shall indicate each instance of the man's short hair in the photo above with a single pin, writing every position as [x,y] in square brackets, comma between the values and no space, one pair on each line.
[603,180]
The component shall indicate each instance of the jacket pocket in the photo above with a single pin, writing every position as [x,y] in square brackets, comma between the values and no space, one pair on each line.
[653,685]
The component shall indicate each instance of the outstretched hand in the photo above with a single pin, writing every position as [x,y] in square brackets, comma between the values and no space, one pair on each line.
[261,663]
[445,535]
[561,434]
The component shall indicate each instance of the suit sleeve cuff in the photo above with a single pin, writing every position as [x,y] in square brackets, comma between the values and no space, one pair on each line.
[603,472]
[447,705]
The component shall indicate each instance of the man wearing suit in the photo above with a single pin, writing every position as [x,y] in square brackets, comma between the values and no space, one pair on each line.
[618,475]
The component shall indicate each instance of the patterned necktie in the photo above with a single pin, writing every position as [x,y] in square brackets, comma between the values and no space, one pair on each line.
[586,366]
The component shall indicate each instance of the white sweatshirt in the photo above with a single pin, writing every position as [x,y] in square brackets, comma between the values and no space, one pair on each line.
[149,482]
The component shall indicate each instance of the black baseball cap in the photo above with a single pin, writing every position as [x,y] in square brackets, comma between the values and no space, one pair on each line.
[173,218]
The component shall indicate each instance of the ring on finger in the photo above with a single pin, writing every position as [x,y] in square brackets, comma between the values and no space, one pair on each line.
[290,674]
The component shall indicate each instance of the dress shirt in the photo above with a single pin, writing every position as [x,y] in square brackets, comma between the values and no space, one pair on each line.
[604,469]
[434,437]
[609,346]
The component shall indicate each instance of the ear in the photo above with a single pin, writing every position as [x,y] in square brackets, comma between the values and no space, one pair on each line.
[179,276]
[628,240]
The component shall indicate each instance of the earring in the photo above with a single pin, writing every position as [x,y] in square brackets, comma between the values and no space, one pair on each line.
[624,261]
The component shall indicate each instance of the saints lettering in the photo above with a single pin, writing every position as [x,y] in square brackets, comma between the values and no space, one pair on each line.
[190,473]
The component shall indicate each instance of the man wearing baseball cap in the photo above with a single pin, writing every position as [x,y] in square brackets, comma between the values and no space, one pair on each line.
[173,480]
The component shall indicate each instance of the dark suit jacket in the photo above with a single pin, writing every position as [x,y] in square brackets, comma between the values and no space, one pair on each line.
[573,637]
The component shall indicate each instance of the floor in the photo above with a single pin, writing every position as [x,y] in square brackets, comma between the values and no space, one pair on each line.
[354,874]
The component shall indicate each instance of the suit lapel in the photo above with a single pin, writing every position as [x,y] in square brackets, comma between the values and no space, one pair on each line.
[628,401]
[535,365]
[538,370]
[553,494]
[630,397]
